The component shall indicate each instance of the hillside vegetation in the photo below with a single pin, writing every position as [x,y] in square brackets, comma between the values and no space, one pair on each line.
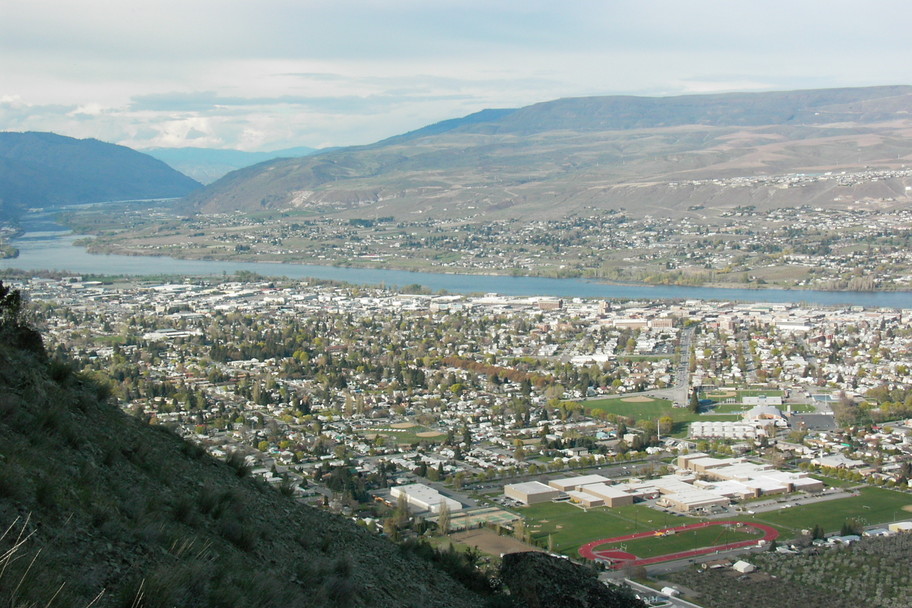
[98,508]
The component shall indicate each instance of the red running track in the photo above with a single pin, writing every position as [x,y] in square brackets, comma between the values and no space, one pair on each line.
[588,551]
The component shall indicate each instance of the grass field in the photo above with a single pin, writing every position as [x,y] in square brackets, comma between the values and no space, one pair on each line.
[736,408]
[683,541]
[758,393]
[410,435]
[571,527]
[871,506]
[652,410]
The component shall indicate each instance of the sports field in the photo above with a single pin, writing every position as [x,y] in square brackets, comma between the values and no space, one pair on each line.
[679,542]
[871,506]
[571,527]
[649,408]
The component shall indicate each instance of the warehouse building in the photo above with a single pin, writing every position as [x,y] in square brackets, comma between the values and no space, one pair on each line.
[420,497]
[575,483]
[585,499]
[612,496]
[530,493]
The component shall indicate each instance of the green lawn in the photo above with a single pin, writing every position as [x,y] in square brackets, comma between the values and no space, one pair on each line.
[655,408]
[758,393]
[730,408]
[572,527]
[872,506]
[652,410]
[410,435]
[685,541]
[734,408]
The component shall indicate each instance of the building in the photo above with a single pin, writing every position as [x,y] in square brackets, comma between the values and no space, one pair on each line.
[530,493]
[423,498]
[611,496]
[575,483]
[585,499]
[743,567]
[726,430]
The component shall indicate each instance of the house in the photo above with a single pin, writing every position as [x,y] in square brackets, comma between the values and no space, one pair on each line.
[743,567]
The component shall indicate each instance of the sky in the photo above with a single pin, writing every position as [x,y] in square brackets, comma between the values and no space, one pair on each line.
[262,75]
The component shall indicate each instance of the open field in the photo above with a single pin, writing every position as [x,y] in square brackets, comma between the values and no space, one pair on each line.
[684,540]
[407,433]
[737,408]
[648,408]
[757,393]
[490,542]
[871,506]
[570,527]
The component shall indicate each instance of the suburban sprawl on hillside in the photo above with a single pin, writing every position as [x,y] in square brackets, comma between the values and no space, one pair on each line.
[409,410]
[862,245]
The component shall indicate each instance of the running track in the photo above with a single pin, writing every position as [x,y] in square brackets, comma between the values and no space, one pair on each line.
[588,551]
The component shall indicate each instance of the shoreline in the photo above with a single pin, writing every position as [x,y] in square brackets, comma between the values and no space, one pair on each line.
[481,273]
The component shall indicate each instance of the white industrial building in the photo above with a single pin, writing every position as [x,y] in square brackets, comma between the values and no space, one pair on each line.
[423,498]
[530,493]
[726,430]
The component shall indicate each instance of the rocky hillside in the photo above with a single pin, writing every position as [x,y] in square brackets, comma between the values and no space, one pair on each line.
[101,509]
[564,156]
[45,169]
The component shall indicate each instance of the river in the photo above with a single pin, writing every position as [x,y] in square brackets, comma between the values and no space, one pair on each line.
[46,245]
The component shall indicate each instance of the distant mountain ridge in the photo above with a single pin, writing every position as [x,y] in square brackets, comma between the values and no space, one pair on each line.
[207,164]
[45,169]
[562,156]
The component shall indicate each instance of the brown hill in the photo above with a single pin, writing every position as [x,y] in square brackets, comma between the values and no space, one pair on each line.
[554,158]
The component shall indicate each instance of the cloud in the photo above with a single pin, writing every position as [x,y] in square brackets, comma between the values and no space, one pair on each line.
[281,73]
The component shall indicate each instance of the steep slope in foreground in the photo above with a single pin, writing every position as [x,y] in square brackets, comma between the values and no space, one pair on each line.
[45,169]
[570,155]
[95,502]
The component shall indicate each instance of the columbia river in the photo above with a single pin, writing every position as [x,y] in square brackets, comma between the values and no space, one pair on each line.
[48,246]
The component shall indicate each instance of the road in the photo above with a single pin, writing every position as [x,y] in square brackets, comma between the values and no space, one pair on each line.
[680,392]
[645,591]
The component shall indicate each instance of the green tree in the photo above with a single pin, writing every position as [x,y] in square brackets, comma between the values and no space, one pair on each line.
[694,405]
[443,519]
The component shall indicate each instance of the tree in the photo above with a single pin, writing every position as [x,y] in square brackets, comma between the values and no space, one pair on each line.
[694,402]
[519,530]
[10,308]
[519,453]
[443,518]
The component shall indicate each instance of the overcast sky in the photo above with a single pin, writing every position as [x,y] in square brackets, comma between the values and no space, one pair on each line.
[270,74]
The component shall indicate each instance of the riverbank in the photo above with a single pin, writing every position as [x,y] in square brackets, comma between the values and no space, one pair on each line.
[54,250]
[94,246]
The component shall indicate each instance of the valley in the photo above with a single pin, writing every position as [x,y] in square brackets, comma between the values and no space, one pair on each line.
[862,247]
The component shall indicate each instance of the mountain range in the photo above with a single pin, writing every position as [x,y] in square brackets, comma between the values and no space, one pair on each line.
[657,155]
[47,170]
[206,165]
